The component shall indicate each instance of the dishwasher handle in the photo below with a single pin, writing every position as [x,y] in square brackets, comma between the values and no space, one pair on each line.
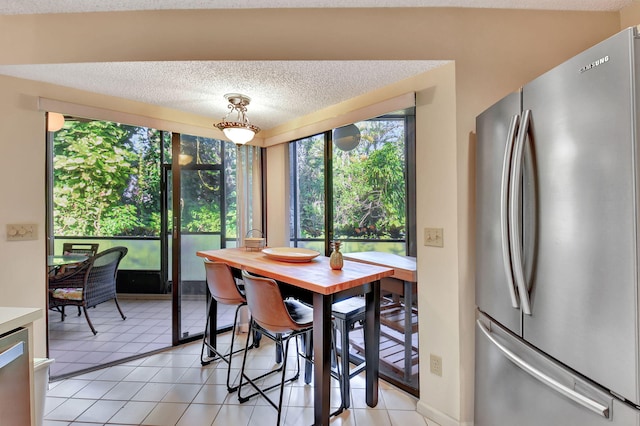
[11,354]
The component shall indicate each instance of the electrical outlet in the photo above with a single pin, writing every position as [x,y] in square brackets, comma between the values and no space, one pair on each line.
[433,237]
[22,232]
[435,364]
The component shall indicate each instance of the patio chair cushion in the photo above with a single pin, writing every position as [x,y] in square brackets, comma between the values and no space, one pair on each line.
[68,293]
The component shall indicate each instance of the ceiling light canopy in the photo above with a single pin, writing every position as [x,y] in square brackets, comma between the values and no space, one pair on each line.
[240,131]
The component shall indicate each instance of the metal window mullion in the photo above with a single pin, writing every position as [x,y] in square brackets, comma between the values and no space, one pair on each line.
[410,185]
[223,199]
[175,233]
[328,191]
[296,190]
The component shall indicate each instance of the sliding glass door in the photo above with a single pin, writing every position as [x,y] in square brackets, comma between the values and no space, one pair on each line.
[196,211]
[111,184]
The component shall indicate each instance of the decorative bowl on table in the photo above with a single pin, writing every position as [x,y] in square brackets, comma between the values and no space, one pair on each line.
[290,254]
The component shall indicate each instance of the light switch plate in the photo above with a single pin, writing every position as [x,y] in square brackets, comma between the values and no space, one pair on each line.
[433,237]
[22,232]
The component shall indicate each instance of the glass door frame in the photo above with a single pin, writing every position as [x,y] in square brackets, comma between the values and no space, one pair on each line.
[175,255]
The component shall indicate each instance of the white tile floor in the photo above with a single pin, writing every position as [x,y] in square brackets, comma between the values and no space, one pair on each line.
[172,388]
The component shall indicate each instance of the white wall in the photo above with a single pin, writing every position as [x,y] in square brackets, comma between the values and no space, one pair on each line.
[22,176]
[437,207]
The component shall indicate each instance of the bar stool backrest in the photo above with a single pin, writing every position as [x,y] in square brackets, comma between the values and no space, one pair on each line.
[221,283]
[267,306]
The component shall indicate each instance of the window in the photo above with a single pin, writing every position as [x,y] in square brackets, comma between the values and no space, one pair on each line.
[360,196]
[113,184]
[307,192]
[364,196]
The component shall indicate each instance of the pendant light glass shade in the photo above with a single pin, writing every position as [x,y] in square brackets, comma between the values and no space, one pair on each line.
[241,131]
[239,135]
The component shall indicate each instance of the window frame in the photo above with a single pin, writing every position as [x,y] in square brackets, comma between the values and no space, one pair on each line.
[408,116]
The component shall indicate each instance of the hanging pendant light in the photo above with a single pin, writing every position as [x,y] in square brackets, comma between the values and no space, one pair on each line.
[240,131]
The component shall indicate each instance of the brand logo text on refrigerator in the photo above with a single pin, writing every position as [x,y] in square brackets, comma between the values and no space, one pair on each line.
[595,64]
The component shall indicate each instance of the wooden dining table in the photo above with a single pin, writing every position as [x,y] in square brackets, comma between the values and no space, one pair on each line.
[404,281]
[325,286]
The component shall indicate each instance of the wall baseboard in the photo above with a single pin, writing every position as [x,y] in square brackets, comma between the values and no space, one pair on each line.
[438,417]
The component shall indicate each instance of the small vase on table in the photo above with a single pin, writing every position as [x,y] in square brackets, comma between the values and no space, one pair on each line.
[335,260]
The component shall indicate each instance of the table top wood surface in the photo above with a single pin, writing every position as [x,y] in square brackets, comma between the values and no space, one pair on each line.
[404,267]
[316,275]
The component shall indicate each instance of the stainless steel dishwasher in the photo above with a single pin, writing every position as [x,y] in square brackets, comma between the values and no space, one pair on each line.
[15,395]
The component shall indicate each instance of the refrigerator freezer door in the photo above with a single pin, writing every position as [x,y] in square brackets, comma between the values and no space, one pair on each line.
[508,393]
[583,226]
[495,290]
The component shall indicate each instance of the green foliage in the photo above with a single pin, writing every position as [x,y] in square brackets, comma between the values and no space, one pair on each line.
[230,190]
[120,220]
[200,201]
[368,184]
[92,167]
[202,219]
[107,181]
[310,160]
[143,190]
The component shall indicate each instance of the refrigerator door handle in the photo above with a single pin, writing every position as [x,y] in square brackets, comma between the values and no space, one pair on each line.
[577,397]
[514,212]
[504,209]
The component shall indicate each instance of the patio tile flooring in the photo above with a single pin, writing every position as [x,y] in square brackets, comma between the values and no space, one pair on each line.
[146,329]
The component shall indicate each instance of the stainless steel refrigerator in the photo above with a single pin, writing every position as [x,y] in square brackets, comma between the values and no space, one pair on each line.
[557,255]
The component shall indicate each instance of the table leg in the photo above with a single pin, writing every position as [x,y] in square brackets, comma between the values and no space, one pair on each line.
[321,357]
[372,343]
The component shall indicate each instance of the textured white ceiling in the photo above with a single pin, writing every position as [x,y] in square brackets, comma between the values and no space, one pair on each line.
[280,90]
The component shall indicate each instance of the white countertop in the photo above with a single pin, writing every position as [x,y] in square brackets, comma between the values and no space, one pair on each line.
[12,317]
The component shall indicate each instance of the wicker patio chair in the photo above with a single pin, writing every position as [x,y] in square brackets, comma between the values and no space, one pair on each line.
[92,282]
